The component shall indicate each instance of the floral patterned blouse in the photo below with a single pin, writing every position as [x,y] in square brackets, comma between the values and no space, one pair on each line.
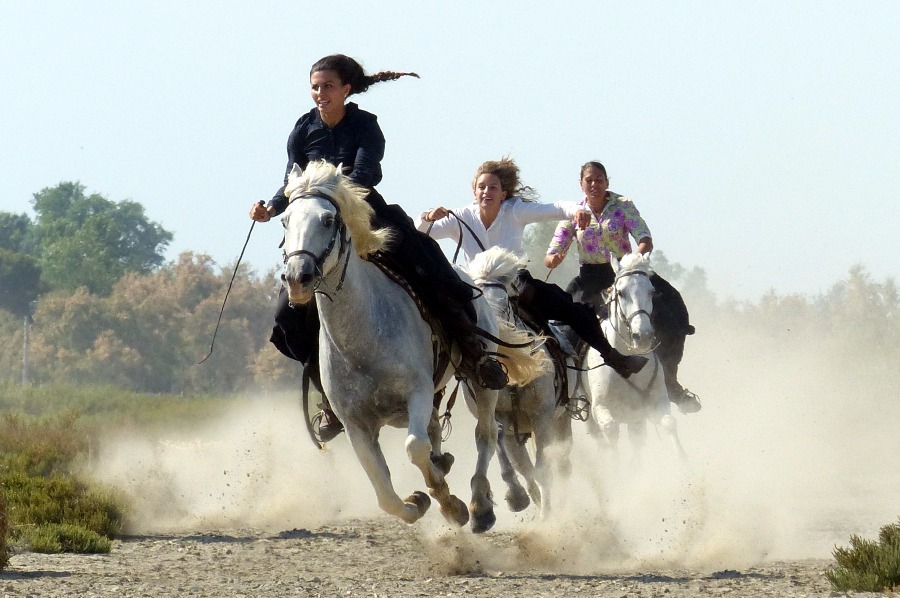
[607,234]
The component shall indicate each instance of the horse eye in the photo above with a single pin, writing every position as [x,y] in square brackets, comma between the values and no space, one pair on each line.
[328,221]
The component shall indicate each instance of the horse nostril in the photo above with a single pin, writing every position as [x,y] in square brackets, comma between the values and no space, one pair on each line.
[306,278]
[283,278]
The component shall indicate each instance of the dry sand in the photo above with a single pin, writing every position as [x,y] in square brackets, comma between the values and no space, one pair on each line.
[789,457]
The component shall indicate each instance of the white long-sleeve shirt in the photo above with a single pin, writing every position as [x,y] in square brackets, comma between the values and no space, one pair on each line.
[507,229]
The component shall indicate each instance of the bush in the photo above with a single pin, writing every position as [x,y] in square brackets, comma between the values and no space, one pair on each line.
[36,502]
[868,566]
[54,538]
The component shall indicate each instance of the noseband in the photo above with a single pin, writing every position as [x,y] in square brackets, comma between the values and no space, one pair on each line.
[340,232]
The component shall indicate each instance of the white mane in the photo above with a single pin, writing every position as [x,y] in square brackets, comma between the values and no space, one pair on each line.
[495,263]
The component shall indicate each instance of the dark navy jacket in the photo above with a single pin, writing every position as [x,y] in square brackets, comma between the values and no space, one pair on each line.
[356,142]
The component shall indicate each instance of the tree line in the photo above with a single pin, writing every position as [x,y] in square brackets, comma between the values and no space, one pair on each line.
[108,309]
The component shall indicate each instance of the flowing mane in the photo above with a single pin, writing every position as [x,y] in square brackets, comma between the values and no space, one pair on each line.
[323,178]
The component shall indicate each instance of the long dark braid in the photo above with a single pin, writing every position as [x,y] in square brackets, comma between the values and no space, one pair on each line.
[350,71]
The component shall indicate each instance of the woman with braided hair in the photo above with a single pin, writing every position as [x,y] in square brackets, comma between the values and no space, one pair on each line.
[342,134]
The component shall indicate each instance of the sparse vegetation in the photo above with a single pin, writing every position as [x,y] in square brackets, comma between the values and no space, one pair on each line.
[868,566]
[46,438]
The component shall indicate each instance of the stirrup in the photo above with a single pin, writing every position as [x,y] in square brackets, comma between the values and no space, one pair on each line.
[687,402]
[323,430]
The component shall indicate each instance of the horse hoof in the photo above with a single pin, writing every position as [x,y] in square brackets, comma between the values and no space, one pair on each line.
[482,522]
[420,500]
[517,499]
[456,513]
[443,462]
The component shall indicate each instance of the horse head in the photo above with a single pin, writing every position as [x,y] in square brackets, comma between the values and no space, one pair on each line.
[631,302]
[325,211]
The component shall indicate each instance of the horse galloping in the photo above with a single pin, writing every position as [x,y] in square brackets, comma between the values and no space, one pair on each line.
[642,397]
[376,352]
[534,407]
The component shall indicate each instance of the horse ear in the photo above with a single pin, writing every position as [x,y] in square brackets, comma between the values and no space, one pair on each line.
[295,171]
[615,262]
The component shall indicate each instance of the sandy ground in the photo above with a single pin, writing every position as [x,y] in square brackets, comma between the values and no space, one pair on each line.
[374,557]
[794,451]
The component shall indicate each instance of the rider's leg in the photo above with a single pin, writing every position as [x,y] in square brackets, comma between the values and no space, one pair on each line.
[296,335]
[553,303]
[426,268]
[672,324]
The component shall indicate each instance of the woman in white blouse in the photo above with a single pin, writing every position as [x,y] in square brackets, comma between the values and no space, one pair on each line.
[498,219]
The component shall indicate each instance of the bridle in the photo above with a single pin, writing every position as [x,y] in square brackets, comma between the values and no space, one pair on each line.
[339,233]
[626,319]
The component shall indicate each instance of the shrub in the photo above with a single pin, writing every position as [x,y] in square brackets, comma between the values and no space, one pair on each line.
[868,566]
[54,538]
[57,500]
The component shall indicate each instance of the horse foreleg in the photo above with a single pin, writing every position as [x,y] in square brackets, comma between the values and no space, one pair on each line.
[482,504]
[368,451]
[637,434]
[444,461]
[419,449]
[670,427]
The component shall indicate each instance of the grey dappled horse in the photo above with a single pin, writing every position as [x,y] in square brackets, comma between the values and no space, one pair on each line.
[376,352]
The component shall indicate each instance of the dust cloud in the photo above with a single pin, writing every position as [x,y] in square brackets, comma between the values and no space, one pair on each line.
[796,448]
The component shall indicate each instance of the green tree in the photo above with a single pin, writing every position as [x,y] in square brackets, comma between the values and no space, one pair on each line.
[17,233]
[20,279]
[91,241]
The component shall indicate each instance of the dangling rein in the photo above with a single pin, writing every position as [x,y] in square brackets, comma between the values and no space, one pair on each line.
[230,284]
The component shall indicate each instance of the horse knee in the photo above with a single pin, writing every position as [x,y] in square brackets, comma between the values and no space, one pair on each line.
[668,424]
[418,449]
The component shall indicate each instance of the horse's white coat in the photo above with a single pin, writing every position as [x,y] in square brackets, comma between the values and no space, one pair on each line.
[376,352]
[532,407]
[642,397]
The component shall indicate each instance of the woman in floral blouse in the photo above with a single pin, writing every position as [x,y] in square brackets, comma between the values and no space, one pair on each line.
[616,220]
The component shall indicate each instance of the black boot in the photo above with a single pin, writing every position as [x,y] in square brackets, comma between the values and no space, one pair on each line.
[552,303]
[329,426]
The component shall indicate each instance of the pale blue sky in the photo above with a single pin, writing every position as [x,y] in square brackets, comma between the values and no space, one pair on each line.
[760,140]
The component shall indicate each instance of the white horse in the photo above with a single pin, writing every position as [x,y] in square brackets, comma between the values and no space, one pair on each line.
[642,397]
[535,407]
[376,352]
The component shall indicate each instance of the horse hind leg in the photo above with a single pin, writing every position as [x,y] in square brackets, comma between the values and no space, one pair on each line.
[373,462]
[516,496]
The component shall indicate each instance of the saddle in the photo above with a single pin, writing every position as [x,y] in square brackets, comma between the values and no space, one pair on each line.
[562,343]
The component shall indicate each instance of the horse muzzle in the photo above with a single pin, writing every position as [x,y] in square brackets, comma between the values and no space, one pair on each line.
[301,278]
